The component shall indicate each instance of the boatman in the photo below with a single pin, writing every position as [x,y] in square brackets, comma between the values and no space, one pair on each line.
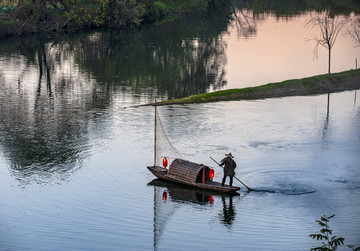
[229,168]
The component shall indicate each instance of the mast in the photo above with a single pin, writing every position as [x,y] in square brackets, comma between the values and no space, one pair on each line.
[155,135]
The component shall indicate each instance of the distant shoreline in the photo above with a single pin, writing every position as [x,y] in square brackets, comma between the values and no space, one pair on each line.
[327,83]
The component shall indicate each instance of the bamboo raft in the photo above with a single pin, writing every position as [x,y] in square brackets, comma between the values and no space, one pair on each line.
[191,174]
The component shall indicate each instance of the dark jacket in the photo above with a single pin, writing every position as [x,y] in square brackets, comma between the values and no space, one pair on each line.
[229,167]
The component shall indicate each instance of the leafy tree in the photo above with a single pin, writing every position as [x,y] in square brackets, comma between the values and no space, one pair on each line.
[122,13]
[111,13]
[46,15]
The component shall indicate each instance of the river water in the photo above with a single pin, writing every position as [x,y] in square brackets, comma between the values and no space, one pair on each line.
[74,145]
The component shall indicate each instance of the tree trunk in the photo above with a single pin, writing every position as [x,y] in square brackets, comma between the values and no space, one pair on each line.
[329,59]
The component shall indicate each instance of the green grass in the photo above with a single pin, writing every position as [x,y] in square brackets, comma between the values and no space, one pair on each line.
[161,5]
[166,6]
[306,86]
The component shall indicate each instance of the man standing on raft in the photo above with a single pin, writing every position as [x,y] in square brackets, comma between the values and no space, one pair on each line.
[229,168]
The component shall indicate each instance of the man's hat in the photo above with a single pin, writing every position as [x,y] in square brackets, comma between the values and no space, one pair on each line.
[229,155]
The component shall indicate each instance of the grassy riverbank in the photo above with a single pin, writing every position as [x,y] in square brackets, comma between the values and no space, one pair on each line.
[348,80]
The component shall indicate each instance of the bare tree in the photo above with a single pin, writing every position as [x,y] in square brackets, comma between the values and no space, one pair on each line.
[329,28]
[354,30]
[244,23]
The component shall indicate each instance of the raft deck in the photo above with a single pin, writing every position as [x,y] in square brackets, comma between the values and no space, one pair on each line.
[189,173]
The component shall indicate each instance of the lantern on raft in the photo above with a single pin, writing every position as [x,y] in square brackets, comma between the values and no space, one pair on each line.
[165,162]
[211,174]
[164,195]
[211,199]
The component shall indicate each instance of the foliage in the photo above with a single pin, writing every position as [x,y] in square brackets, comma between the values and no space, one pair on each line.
[330,242]
[293,7]
[354,249]
[156,10]
[7,26]
[46,15]
[6,9]
[7,6]
[53,15]
[111,13]
[121,13]
[87,13]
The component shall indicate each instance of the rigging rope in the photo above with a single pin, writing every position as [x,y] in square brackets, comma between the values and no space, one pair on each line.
[164,148]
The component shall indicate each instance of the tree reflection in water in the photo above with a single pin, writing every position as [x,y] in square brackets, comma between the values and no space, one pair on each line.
[44,121]
[177,59]
[51,86]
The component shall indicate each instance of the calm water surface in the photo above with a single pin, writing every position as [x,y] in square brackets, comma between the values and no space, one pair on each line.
[74,150]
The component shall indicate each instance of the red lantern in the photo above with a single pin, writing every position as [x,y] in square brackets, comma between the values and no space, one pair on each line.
[211,199]
[211,174]
[165,162]
[164,196]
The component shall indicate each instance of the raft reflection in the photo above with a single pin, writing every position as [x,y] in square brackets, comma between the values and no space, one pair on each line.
[165,192]
[182,193]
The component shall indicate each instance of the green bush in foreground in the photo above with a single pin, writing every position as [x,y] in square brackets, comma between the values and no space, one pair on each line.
[331,242]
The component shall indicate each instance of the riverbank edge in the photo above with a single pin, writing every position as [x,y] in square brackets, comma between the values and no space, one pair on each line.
[315,85]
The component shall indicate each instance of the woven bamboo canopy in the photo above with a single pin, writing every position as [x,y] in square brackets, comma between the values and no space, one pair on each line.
[185,170]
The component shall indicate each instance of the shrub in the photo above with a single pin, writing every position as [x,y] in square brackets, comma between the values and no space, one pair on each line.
[330,242]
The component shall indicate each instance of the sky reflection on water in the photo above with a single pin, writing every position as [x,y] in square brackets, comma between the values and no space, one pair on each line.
[282,50]
[73,159]
[279,144]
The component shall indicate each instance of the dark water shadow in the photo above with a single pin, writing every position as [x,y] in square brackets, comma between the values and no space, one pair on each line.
[286,191]
[187,194]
